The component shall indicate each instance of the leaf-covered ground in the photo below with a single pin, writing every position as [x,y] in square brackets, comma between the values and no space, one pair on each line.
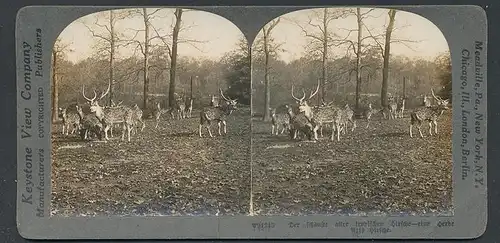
[163,171]
[375,170]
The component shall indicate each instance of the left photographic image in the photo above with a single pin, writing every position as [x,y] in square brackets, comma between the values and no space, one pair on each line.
[151,115]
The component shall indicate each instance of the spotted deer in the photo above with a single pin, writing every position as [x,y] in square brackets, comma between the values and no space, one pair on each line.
[70,120]
[180,108]
[368,112]
[111,115]
[428,114]
[218,114]
[303,102]
[158,112]
[348,118]
[323,115]
[90,124]
[304,106]
[299,123]
[279,120]
[113,104]
[137,118]
[401,108]
[392,108]
[189,107]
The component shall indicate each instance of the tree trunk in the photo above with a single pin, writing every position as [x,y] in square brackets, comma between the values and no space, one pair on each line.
[191,92]
[325,56]
[173,58]
[386,56]
[404,87]
[146,58]
[358,57]
[267,100]
[55,89]
[111,56]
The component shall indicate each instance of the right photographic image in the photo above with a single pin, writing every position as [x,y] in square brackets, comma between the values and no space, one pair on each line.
[351,114]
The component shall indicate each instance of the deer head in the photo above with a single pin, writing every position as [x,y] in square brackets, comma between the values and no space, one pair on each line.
[229,102]
[272,111]
[302,102]
[94,102]
[79,110]
[440,102]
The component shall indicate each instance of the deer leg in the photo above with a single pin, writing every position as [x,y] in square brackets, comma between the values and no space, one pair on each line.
[157,121]
[420,131]
[435,127]
[225,126]
[124,128]
[63,126]
[282,129]
[315,132]
[272,129]
[338,134]
[128,129]
[218,125]
[143,125]
[321,130]
[411,128]
[353,126]
[106,128]
[333,132]
[209,131]
[430,128]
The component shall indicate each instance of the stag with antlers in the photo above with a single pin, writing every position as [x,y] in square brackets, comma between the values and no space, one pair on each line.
[319,115]
[111,115]
[428,113]
[218,113]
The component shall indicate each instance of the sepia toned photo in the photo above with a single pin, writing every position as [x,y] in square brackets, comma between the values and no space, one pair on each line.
[351,114]
[151,115]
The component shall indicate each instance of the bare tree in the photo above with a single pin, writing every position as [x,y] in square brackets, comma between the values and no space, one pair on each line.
[172,46]
[173,56]
[108,41]
[144,46]
[58,53]
[318,31]
[358,47]
[268,47]
[385,51]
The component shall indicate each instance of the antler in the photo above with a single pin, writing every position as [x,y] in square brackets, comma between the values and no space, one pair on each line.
[315,92]
[222,95]
[433,95]
[303,96]
[83,93]
[106,92]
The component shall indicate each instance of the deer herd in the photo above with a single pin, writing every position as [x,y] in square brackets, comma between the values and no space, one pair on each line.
[301,118]
[298,119]
[101,120]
